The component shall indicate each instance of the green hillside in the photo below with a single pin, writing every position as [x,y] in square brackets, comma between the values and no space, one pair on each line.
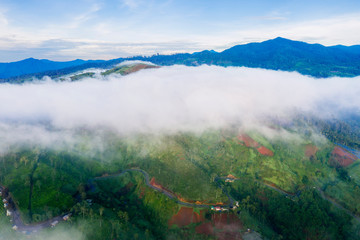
[281,186]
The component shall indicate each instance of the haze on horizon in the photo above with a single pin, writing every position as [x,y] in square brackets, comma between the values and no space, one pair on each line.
[106,29]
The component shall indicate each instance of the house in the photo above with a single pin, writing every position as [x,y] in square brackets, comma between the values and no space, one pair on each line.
[15,227]
[217,208]
[229,180]
[53,224]
[66,217]
[5,201]
[5,205]
[8,213]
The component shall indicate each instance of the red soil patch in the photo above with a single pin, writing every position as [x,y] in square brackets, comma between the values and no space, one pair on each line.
[182,218]
[186,216]
[139,67]
[340,156]
[310,150]
[220,220]
[248,141]
[264,151]
[205,228]
[158,185]
[198,217]
[222,226]
[153,183]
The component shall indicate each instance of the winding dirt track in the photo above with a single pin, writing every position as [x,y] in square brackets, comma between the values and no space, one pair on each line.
[169,194]
[333,202]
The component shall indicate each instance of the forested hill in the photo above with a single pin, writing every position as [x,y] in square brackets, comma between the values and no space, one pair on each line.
[278,54]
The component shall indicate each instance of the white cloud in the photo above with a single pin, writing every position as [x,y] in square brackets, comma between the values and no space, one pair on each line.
[85,16]
[176,98]
[3,20]
[275,15]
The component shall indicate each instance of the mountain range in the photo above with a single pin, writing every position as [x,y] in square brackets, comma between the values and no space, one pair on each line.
[277,54]
[31,65]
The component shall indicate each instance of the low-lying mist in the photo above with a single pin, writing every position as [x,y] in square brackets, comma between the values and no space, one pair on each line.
[167,100]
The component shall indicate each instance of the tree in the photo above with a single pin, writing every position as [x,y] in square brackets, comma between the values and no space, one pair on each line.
[101,212]
[305,180]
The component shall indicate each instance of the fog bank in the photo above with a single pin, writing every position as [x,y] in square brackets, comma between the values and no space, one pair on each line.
[170,99]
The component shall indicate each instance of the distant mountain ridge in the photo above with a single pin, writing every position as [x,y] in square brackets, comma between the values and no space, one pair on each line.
[277,54]
[31,65]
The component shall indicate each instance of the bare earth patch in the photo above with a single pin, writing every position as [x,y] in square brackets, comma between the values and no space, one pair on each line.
[186,216]
[248,141]
[139,67]
[222,226]
[310,150]
[264,151]
[340,156]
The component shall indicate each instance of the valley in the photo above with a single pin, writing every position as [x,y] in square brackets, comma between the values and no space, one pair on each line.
[273,178]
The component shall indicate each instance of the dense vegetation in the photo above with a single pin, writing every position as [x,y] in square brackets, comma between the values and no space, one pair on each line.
[288,195]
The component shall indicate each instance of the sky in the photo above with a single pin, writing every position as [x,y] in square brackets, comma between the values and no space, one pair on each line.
[106,29]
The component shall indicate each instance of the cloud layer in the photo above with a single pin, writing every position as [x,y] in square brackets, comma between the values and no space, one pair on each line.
[168,99]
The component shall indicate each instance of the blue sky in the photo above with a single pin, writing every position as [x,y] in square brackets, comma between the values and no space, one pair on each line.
[105,29]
